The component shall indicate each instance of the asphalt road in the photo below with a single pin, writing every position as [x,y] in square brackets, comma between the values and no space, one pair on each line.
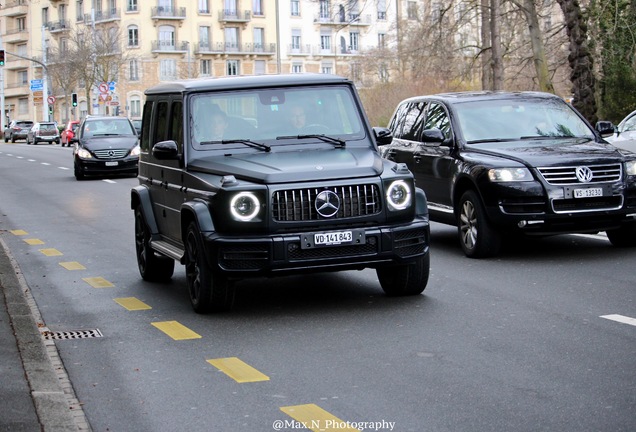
[517,343]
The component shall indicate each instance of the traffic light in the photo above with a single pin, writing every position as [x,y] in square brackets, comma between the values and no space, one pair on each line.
[50,109]
[74,99]
[1,57]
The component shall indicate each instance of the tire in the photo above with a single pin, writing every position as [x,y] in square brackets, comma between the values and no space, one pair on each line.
[6,140]
[209,292]
[79,175]
[13,139]
[152,266]
[405,279]
[625,236]
[477,236]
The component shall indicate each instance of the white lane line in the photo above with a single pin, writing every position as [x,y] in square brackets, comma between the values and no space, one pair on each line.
[64,168]
[31,160]
[109,181]
[621,319]
[45,163]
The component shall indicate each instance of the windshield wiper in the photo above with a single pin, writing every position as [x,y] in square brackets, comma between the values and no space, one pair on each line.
[247,142]
[326,138]
[487,140]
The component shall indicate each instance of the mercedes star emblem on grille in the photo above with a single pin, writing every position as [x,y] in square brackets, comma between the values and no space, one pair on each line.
[327,203]
[584,174]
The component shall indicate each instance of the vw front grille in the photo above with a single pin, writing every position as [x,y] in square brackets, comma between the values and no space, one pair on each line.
[110,154]
[299,204]
[567,175]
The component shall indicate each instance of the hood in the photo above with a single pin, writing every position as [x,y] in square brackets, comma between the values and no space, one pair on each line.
[553,152]
[293,166]
[109,142]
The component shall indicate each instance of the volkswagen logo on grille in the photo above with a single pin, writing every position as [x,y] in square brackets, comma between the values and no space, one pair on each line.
[327,203]
[584,174]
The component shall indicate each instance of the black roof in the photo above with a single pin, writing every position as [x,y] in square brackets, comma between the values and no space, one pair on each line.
[483,95]
[245,82]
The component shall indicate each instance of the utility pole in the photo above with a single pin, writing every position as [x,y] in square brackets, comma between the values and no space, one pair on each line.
[45,79]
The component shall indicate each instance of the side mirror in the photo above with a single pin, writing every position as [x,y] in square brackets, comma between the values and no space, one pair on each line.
[165,150]
[383,136]
[605,128]
[433,135]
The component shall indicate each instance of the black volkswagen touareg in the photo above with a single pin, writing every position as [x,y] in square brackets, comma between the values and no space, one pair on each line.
[271,175]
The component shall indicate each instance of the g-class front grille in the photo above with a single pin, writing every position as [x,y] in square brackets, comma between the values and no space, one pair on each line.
[567,175]
[296,205]
[110,153]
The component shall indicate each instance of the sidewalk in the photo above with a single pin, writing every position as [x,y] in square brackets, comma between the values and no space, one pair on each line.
[31,394]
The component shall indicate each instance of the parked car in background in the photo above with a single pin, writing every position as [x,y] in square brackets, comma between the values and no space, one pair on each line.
[625,131]
[43,132]
[496,164]
[67,137]
[17,130]
[137,125]
[105,146]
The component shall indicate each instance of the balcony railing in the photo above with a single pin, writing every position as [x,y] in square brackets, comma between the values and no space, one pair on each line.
[299,50]
[230,15]
[235,48]
[344,19]
[58,26]
[163,12]
[102,16]
[169,46]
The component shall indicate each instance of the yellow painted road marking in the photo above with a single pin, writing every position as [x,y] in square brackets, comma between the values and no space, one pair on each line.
[72,265]
[175,330]
[238,370]
[19,232]
[98,282]
[132,304]
[51,252]
[317,419]
[33,241]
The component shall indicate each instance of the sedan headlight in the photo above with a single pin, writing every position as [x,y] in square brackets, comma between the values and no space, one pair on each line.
[245,206]
[509,175]
[630,167]
[398,195]
[84,154]
[136,151]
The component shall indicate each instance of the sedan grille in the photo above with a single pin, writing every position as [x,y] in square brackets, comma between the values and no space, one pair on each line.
[567,175]
[110,153]
[299,204]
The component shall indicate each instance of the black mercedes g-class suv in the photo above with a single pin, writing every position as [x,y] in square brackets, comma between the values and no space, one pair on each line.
[271,175]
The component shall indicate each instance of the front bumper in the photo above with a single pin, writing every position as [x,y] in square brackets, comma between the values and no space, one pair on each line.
[261,255]
[103,166]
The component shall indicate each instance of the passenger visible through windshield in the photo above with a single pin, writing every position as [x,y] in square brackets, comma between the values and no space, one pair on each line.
[504,120]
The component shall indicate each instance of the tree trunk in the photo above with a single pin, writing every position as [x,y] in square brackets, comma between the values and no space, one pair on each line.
[486,43]
[581,61]
[497,60]
[538,50]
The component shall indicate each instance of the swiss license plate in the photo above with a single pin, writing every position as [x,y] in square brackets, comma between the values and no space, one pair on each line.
[588,193]
[115,163]
[332,238]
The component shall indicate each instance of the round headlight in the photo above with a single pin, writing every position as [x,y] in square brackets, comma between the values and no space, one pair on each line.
[398,195]
[245,206]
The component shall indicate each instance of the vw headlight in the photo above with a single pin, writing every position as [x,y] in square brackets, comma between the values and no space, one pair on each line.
[245,206]
[509,174]
[136,151]
[84,154]
[398,195]
[630,167]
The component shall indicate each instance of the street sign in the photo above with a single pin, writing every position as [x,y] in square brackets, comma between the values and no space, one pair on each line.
[103,88]
[34,87]
[50,100]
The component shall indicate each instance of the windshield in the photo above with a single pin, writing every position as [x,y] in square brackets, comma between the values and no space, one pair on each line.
[530,118]
[105,127]
[273,117]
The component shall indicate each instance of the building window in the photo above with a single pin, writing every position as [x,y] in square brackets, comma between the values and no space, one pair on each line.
[206,68]
[324,9]
[259,35]
[135,106]
[382,10]
[295,8]
[412,10]
[21,23]
[259,67]
[325,42]
[232,67]
[131,6]
[297,68]
[168,70]
[204,38]
[166,38]
[326,68]
[79,7]
[295,40]
[231,39]
[204,6]
[23,77]
[133,70]
[354,38]
[133,36]
[381,40]
[257,7]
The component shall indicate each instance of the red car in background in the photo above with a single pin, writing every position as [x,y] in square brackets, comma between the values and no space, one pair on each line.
[68,134]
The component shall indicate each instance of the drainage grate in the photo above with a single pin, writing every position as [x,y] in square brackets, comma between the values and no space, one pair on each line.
[72,334]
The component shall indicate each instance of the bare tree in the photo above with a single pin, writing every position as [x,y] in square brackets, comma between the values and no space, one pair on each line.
[495,35]
[580,59]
